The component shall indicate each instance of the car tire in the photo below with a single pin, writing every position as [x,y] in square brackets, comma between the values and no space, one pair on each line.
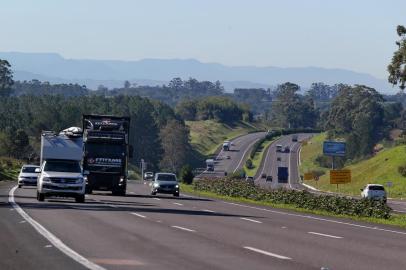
[19,186]
[80,198]
[40,197]
[153,193]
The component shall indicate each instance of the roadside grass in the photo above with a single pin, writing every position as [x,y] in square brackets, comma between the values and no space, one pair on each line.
[207,135]
[394,220]
[256,161]
[9,168]
[379,169]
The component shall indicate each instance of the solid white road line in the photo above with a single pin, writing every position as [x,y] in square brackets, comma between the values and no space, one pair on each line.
[158,199]
[268,253]
[251,220]
[207,210]
[326,235]
[55,241]
[178,204]
[318,218]
[138,215]
[183,229]
[243,155]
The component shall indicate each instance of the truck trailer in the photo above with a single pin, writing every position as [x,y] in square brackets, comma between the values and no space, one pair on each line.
[106,152]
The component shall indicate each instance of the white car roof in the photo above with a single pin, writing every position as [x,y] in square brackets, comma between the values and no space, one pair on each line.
[374,185]
[165,173]
[30,166]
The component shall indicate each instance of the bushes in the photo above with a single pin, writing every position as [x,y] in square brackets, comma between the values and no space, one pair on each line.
[249,164]
[402,170]
[186,174]
[302,199]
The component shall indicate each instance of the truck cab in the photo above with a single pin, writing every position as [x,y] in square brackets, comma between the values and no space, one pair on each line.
[60,173]
[210,165]
[226,146]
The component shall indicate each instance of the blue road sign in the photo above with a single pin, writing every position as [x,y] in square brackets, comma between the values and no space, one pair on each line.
[334,148]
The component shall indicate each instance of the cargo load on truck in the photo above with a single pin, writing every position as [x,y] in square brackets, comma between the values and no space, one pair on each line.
[60,172]
[226,145]
[283,174]
[210,165]
[106,152]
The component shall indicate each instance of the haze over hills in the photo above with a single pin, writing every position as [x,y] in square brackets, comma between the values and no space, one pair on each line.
[112,73]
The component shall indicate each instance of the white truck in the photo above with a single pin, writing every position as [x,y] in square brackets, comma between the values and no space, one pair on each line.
[60,172]
[226,146]
[209,165]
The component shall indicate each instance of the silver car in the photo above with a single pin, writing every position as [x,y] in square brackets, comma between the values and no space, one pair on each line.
[165,183]
[28,176]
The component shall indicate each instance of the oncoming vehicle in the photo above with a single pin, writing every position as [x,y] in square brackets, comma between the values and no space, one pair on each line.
[287,149]
[294,138]
[60,173]
[269,178]
[250,179]
[148,176]
[263,175]
[28,176]
[374,192]
[279,148]
[209,165]
[166,183]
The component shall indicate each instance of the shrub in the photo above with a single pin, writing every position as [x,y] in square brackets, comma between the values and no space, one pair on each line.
[249,164]
[402,170]
[186,174]
[302,199]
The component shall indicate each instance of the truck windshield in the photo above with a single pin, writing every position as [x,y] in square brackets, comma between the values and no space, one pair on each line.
[166,177]
[104,150]
[62,166]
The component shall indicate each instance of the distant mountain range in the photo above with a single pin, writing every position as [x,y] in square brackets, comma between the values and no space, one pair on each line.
[112,73]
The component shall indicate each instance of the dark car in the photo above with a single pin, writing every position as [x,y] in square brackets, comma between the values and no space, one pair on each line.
[269,178]
[263,175]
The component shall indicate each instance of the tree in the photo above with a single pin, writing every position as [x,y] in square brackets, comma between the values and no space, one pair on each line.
[357,115]
[6,78]
[175,142]
[397,67]
[186,174]
[127,85]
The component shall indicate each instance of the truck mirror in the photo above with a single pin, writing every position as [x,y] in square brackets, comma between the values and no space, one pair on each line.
[37,170]
[130,151]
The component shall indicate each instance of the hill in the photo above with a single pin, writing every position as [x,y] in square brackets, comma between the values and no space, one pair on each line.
[57,69]
[379,169]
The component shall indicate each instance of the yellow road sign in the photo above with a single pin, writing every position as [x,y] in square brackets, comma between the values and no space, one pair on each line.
[340,176]
[308,176]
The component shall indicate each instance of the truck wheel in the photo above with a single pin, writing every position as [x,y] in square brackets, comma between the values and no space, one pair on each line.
[153,193]
[40,196]
[80,198]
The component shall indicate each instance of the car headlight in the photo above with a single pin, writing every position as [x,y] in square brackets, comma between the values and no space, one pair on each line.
[46,179]
[177,186]
[21,178]
[155,185]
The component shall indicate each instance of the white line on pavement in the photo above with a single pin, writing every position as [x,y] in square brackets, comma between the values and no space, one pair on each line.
[268,253]
[326,235]
[138,215]
[252,220]
[55,241]
[243,155]
[158,199]
[178,204]
[207,210]
[183,229]
[317,218]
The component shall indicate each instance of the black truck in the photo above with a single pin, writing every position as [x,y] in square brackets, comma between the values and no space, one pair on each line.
[106,152]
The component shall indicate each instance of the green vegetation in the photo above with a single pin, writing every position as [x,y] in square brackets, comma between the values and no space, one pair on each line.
[9,168]
[394,219]
[396,69]
[379,169]
[206,136]
[256,160]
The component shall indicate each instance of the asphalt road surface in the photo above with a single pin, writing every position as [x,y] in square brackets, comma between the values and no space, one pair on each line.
[273,160]
[140,231]
[231,161]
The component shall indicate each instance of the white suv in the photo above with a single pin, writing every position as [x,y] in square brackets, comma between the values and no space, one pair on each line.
[61,178]
[28,176]
[374,192]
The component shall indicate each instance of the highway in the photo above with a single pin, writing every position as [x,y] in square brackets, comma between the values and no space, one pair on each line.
[238,154]
[140,231]
[273,159]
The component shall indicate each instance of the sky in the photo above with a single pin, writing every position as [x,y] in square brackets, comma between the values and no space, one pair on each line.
[358,35]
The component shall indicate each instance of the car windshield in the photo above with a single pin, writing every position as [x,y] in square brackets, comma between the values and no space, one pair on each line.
[166,177]
[376,188]
[62,166]
[28,169]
